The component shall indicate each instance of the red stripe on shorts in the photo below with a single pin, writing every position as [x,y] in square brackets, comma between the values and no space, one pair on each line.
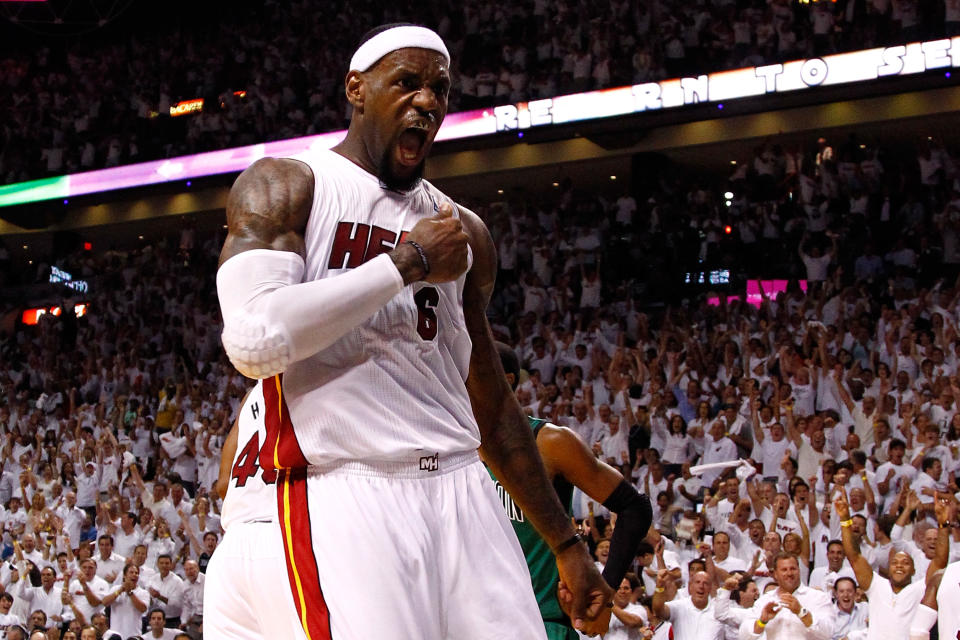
[280,449]
[302,573]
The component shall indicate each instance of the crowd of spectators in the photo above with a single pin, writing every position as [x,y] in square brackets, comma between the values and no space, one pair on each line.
[112,429]
[846,392]
[842,394]
[105,99]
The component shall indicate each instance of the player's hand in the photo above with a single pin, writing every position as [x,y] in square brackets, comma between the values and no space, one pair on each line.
[443,242]
[582,593]
[591,628]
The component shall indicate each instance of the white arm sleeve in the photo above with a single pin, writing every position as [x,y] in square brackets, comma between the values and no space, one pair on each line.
[272,319]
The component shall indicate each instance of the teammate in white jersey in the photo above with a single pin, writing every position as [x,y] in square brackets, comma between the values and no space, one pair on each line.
[242,598]
[358,291]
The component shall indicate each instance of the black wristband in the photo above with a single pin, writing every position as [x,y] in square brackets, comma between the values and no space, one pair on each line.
[423,256]
[634,516]
[566,544]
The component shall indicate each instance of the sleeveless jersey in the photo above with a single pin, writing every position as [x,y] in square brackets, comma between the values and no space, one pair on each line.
[251,494]
[540,559]
[394,386]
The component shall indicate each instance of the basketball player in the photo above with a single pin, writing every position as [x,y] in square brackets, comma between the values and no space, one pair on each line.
[242,595]
[358,292]
[570,463]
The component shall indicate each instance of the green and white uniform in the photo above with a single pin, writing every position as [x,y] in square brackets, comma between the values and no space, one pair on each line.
[540,560]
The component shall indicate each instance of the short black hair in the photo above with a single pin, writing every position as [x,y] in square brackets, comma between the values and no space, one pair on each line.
[510,362]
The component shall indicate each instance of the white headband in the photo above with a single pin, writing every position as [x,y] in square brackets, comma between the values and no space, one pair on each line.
[393,39]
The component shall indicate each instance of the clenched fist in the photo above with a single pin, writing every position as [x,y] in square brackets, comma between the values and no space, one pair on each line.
[444,245]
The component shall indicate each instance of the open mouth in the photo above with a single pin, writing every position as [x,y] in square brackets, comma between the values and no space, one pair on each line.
[411,144]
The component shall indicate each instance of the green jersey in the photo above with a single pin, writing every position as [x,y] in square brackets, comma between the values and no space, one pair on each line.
[540,560]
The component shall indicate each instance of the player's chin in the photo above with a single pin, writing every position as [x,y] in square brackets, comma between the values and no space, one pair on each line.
[400,176]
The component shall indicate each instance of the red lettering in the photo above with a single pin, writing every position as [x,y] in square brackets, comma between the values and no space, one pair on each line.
[381,241]
[247,465]
[349,242]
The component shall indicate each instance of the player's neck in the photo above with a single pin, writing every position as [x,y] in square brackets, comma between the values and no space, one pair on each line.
[353,149]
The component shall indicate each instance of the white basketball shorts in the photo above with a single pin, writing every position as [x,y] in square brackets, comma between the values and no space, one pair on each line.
[245,595]
[410,550]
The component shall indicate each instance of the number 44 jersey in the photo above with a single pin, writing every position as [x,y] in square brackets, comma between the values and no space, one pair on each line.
[393,387]
[252,493]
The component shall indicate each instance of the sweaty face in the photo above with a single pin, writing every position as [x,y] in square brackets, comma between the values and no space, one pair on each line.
[404,102]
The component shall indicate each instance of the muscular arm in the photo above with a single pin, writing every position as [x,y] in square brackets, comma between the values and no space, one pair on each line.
[565,454]
[268,207]
[507,443]
[272,318]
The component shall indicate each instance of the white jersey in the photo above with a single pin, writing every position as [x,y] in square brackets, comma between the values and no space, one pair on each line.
[252,492]
[393,387]
[948,603]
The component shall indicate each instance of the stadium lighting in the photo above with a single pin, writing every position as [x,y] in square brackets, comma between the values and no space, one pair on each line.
[728,195]
[852,68]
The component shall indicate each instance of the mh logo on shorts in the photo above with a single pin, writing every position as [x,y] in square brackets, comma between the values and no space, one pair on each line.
[430,463]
